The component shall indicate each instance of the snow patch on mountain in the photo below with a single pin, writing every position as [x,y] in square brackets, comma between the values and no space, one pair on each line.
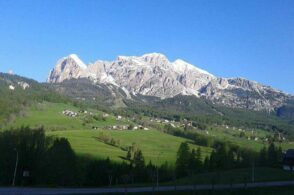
[78,61]
[181,66]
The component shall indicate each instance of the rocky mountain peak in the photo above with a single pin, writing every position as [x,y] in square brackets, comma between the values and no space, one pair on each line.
[66,68]
[76,60]
[154,75]
[155,59]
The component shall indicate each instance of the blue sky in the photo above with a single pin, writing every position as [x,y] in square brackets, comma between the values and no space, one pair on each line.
[252,39]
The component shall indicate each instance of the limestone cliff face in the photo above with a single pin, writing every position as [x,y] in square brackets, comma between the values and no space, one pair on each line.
[242,93]
[67,68]
[154,75]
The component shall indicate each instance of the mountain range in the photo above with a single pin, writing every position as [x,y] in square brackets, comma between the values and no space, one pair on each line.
[155,75]
[151,85]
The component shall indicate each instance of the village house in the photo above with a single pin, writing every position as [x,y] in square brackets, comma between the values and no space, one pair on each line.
[11,87]
[288,160]
[125,127]
[119,127]
[105,115]
[70,113]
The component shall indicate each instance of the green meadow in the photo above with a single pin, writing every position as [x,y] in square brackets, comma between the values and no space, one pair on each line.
[49,115]
[156,146]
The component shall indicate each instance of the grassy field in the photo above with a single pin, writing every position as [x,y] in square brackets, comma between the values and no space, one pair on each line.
[238,176]
[156,146]
[49,115]
[233,136]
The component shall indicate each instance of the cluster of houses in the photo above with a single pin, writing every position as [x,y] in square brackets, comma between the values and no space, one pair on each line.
[254,138]
[140,127]
[118,118]
[119,127]
[173,123]
[128,127]
[70,113]
[85,112]
[22,84]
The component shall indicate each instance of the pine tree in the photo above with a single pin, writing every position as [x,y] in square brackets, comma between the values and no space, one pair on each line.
[222,156]
[199,164]
[272,155]
[138,159]
[280,155]
[206,163]
[230,159]
[129,154]
[183,159]
[213,160]
[139,171]
[262,160]
[192,160]
[198,154]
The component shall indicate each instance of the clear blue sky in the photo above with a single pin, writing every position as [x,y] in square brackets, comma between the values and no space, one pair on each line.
[238,38]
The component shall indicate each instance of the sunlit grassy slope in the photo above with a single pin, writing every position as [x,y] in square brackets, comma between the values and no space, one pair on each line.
[156,146]
[49,115]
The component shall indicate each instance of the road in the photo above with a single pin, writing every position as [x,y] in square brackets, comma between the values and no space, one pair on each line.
[61,191]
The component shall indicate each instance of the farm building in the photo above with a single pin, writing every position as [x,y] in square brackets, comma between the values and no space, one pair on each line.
[288,160]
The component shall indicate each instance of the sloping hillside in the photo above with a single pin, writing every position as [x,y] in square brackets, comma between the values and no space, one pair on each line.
[18,93]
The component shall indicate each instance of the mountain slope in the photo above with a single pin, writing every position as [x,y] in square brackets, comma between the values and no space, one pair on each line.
[154,75]
[17,93]
[150,74]
[101,95]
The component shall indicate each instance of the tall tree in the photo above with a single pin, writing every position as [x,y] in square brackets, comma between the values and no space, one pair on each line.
[139,161]
[183,158]
[198,160]
[61,163]
[272,155]
[129,154]
[139,171]
[262,159]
